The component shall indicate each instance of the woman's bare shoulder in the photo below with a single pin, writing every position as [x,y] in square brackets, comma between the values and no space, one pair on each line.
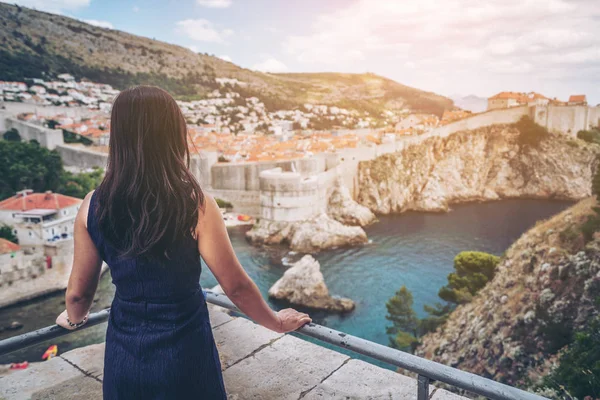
[84,209]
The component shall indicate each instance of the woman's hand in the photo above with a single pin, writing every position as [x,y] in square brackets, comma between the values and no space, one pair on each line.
[61,320]
[290,320]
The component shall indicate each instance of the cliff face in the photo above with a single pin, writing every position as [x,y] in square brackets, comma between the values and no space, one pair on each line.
[544,291]
[483,164]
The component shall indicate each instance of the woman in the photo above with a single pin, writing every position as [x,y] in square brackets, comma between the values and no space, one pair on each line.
[150,222]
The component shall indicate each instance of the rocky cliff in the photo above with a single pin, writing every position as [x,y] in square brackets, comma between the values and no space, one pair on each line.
[483,164]
[543,292]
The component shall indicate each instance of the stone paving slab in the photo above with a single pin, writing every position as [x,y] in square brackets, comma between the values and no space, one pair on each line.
[258,364]
[239,338]
[442,394]
[23,384]
[89,358]
[358,379]
[79,388]
[218,316]
[283,370]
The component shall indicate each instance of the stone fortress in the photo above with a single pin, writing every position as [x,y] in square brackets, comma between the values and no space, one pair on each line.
[299,189]
[295,190]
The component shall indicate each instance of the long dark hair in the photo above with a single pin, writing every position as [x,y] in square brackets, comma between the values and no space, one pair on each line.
[148,200]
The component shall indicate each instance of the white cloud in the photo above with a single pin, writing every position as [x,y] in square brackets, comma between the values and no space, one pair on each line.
[226,58]
[193,48]
[54,6]
[270,65]
[202,30]
[101,24]
[214,3]
[135,9]
[480,45]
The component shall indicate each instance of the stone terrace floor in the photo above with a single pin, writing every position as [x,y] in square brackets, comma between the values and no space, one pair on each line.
[257,364]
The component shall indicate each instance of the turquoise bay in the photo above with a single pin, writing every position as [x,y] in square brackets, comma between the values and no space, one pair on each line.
[412,249]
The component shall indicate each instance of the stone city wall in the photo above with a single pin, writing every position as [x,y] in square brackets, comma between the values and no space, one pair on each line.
[82,157]
[46,137]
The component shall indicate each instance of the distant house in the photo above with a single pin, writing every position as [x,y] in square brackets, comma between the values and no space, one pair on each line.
[515,99]
[40,218]
[66,77]
[577,100]
[10,254]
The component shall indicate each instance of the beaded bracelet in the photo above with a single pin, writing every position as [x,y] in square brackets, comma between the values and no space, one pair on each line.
[78,324]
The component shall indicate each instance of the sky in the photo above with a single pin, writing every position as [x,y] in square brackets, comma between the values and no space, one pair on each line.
[450,47]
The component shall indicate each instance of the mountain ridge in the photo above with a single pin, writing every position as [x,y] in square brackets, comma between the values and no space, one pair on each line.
[37,44]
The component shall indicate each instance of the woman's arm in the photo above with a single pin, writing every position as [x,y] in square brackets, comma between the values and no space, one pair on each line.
[217,251]
[85,273]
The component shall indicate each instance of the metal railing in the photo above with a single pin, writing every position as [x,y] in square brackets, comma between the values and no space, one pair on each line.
[427,371]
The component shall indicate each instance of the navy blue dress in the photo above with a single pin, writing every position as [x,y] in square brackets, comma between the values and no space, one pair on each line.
[159,342]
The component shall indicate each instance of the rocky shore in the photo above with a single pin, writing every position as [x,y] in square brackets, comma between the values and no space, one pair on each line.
[313,235]
[478,165]
[303,284]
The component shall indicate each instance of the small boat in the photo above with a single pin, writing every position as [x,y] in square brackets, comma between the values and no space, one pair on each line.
[244,218]
[51,352]
[22,365]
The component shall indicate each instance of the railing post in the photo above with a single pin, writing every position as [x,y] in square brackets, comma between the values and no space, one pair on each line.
[422,388]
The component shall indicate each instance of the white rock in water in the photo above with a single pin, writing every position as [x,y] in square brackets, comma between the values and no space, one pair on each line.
[303,284]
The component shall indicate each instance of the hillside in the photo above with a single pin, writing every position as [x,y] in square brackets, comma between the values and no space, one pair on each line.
[37,44]
[544,292]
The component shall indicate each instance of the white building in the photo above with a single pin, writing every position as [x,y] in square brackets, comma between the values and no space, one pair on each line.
[40,218]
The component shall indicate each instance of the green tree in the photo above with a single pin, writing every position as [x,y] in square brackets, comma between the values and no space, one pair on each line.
[531,134]
[578,372]
[6,232]
[12,135]
[474,270]
[437,316]
[79,185]
[26,165]
[405,324]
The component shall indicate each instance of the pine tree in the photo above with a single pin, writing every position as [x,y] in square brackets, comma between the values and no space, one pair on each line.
[405,324]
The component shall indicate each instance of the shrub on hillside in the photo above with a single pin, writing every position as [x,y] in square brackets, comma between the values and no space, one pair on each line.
[474,270]
[531,134]
[578,372]
[591,136]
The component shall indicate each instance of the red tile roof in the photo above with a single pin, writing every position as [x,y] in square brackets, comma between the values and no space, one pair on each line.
[46,201]
[577,98]
[6,246]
